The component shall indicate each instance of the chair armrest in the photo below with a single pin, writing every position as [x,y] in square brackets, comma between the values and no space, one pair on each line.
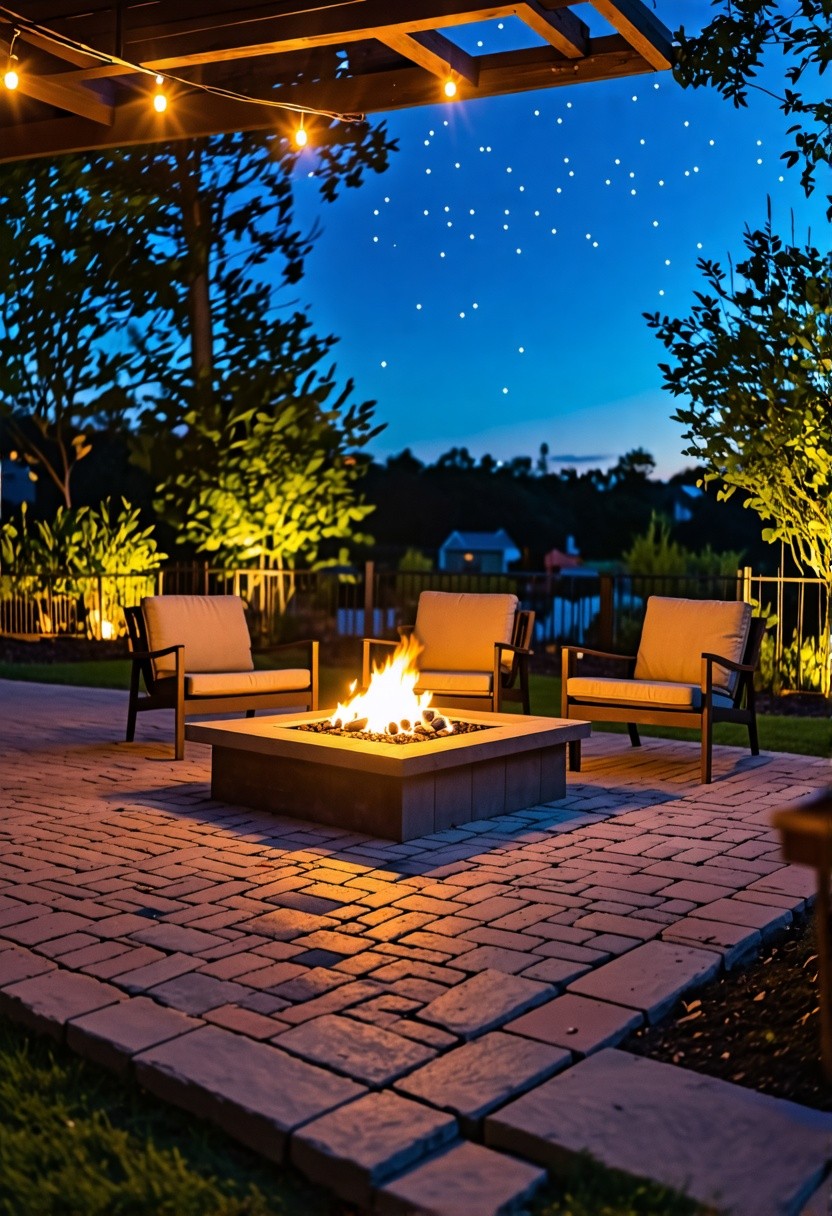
[730,664]
[379,642]
[156,654]
[580,651]
[521,650]
[706,677]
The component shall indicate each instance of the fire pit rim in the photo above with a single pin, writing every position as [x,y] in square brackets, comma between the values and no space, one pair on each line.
[273,735]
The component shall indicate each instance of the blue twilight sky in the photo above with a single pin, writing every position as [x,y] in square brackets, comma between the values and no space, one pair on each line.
[488,289]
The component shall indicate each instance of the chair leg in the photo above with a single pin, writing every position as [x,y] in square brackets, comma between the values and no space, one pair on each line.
[131,706]
[753,738]
[574,756]
[524,688]
[707,747]
[179,743]
[635,738]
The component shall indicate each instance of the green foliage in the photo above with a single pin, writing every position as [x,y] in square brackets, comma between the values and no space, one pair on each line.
[801,666]
[74,1141]
[733,47]
[263,469]
[415,561]
[654,553]
[67,242]
[753,365]
[81,557]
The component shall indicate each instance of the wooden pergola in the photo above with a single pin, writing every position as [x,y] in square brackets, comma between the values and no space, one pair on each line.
[87,71]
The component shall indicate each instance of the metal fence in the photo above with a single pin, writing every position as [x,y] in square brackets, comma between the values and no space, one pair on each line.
[575,606]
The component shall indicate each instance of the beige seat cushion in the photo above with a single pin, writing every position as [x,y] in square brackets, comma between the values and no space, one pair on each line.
[645,694]
[677,632]
[458,630]
[212,628]
[235,683]
[454,681]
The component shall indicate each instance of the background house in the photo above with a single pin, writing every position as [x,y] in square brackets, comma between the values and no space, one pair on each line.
[478,552]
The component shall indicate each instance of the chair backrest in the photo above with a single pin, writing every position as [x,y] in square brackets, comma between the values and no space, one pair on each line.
[677,632]
[212,628]
[523,637]
[753,645]
[137,635]
[458,630]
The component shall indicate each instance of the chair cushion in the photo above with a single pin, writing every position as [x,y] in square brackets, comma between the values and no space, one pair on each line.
[212,628]
[647,694]
[454,681]
[458,630]
[234,683]
[677,632]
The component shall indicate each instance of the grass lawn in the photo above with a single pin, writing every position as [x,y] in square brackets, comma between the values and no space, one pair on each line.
[77,1141]
[778,733]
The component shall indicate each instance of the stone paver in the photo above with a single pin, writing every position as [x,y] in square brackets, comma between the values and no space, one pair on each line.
[467,1180]
[740,1151]
[486,1000]
[578,1023]
[113,1035]
[359,1146]
[47,1002]
[482,1075]
[650,978]
[254,1092]
[16,963]
[364,1052]
[133,906]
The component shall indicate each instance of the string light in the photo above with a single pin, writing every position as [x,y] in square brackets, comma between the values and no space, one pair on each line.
[160,101]
[301,135]
[160,98]
[12,78]
[449,88]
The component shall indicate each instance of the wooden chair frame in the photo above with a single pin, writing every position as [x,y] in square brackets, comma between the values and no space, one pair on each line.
[168,692]
[742,711]
[506,685]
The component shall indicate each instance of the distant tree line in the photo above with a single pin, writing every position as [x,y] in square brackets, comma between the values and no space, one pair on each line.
[419,504]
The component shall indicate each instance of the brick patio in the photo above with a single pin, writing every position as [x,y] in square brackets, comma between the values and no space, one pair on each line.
[289,981]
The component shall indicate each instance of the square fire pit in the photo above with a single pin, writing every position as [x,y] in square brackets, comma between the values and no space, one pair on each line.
[386,789]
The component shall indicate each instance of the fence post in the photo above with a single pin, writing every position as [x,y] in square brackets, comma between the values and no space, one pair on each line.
[369,597]
[605,611]
[745,585]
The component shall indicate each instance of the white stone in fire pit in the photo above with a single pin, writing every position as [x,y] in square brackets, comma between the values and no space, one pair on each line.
[388,789]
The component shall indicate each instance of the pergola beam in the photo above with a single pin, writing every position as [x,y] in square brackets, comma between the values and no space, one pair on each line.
[433,52]
[643,31]
[559,27]
[198,114]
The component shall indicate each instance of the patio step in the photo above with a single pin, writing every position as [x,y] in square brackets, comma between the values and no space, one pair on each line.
[725,1146]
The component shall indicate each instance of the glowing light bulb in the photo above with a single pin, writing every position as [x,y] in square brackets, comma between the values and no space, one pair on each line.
[449,88]
[301,135]
[160,101]
[11,79]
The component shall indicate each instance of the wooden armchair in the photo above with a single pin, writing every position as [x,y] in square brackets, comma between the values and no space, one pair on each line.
[194,654]
[695,666]
[474,647]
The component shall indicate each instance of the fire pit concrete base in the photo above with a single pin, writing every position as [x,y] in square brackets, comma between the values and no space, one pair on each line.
[385,789]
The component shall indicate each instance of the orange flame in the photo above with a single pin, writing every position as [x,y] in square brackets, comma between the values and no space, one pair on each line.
[390,703]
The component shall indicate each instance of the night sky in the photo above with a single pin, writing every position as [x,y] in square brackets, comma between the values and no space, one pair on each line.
[488,289]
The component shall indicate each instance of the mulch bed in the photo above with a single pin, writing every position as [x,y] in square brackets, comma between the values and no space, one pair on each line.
[758,1027]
